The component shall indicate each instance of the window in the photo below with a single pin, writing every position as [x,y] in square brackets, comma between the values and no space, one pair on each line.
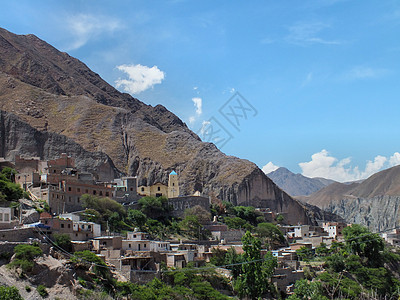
[62,225]
[107,194]
[101,193]
[78,190]
[94,192]
[69,225]
[89,226]
[142,189]
[1,217]
[129,245]
[57,196]
[87,235]
[76,234]
[45,222]
[79,199]
[87,191]
[131,189]
[54,171]
[173,184]
[69,189]
[144,245]
[159,189]
[69,199]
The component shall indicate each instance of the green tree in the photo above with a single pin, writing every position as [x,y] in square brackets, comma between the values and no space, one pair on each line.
[155,208]
[322,250]
[254,280]
[270,234]
[9,293]
[136,217]
[304,253]
[236,222]
[306,290]
[193,227]
[200,212]
[359,240]
[63,241]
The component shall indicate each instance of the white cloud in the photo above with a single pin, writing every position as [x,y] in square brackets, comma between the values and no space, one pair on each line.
[269,167]
[308,33]
[198,104]
[394,160]
[326,166]
[140,78]
[361,72]
[85,27]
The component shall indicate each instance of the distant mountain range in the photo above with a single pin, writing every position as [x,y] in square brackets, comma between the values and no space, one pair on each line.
[374,202]
[297,184]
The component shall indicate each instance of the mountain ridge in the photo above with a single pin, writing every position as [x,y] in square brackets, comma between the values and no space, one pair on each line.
[53,93]
[297,184]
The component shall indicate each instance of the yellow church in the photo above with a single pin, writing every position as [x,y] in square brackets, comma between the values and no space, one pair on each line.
[158,189]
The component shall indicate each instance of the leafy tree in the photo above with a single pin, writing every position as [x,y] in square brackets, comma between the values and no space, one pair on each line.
[200,212]
[322,250]
[9,293]
[63,241]
[360,241]
[136,217]
[235,222]
[155,208]
[304,253]
[305,290]
[232,260]
[253,281]
[270,233]
[105,210]
[193,227]
[218,256]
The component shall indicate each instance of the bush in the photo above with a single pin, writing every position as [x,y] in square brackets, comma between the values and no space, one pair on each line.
[9,293]
[24,256]
[63,241]
[41,289]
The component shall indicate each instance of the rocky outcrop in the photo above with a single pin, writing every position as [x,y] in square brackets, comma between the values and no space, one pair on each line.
[377,213]
[18,137]
[53,103]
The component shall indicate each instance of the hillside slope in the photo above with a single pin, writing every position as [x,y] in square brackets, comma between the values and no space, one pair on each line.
[375,202]
[53,94]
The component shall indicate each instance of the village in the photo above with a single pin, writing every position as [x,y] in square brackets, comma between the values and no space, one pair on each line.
[134,254]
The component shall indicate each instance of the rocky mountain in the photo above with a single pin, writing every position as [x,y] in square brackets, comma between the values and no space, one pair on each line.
[51,103]
[375,202]
[297,184]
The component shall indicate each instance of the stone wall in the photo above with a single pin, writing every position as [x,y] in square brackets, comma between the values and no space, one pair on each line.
[180,204]
[18,235]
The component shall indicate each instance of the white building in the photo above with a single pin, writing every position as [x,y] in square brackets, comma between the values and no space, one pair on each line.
[6,215]
[334,229]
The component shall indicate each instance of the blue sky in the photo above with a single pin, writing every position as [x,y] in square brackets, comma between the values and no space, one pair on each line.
[320,78]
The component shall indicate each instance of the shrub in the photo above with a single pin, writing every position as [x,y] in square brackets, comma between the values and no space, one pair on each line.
[9,293]
[24,256]
[41,289]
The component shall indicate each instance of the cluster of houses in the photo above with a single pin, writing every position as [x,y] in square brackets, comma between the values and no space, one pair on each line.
[135,255]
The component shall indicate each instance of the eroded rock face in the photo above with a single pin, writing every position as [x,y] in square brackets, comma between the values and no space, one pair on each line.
[377,213]
[18,137]
[52,103]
